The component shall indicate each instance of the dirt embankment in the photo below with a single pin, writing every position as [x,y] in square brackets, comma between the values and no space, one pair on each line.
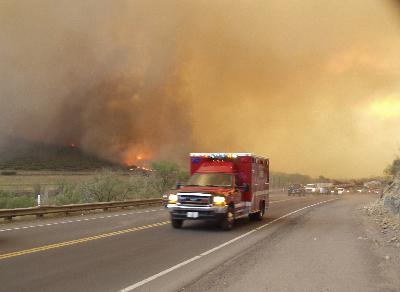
[391,196]
[385,233]
[386,212]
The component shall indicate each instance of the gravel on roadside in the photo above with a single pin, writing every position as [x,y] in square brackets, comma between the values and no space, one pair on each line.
[382,228]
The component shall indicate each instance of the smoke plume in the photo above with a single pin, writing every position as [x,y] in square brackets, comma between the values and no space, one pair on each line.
[312,84]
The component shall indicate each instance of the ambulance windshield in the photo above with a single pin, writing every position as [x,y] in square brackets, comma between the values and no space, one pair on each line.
[211,180]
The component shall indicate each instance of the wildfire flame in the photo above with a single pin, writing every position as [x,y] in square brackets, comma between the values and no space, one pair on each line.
[136,156]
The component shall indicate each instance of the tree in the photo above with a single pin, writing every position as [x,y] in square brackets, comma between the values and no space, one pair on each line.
[323,179]
[107,186]
[166,174]
[393,168]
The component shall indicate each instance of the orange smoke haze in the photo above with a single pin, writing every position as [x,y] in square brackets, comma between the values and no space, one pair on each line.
[313,84]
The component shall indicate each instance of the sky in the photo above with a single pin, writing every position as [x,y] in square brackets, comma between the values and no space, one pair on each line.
[312,84]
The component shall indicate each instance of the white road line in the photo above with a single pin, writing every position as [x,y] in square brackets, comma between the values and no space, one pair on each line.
[77,220]
[272,202]
[162,273]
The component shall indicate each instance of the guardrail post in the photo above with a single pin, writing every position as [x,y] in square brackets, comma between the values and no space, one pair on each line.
[8,218]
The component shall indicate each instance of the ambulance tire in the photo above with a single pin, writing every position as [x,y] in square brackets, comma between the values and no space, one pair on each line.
[228,221]
[258,215]
[177,223]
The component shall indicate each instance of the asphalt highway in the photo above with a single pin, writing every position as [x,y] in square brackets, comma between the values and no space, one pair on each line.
[135,250]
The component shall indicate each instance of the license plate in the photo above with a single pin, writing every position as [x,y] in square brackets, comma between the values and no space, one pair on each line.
[192,214]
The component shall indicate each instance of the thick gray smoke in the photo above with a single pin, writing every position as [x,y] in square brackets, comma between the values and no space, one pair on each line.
[101,74]
[313,83]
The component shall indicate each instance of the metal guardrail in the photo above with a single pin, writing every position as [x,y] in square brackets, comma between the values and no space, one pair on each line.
[42,210]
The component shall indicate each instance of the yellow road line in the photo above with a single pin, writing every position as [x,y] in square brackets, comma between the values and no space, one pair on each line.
[77,241]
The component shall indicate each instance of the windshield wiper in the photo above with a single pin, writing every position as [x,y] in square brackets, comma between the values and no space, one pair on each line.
[192,185]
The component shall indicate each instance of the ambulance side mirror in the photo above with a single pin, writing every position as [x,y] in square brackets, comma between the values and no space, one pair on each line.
[244,188]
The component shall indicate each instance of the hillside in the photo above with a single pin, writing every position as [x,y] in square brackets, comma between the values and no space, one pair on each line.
[22,155]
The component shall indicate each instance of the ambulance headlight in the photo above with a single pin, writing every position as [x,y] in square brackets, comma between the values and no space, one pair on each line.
[219,200]
[172,199]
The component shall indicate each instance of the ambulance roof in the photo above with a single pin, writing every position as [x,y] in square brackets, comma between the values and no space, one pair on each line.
[225,155]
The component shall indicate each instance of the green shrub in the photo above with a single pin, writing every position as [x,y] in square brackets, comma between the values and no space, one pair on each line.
[107,186]
[11,201]
[69,193]
[165,175]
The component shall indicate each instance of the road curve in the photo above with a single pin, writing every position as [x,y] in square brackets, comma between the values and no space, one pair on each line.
[117,250]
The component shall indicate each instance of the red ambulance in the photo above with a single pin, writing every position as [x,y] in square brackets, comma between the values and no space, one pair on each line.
[222,187]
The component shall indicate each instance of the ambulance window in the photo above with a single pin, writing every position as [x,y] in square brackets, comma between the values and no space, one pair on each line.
[238,181]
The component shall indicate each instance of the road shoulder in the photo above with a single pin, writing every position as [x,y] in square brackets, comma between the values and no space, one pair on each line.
[322,250]
[382,231]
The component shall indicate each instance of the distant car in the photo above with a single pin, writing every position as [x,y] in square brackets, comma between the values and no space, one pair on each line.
[296,189]
[311,188]
[164,200]
[324,190]
[340,191]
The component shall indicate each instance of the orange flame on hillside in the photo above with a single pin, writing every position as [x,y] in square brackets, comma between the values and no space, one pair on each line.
[137,156]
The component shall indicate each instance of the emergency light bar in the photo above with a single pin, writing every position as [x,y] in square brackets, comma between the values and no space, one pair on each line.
[219,155]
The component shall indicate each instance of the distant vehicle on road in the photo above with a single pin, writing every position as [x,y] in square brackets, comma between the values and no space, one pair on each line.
[296,189]
[359,190]
[324,190]
[340,191]
[164,199]
[311,188]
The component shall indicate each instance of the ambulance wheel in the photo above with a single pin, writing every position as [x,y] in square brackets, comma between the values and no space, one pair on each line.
[228,221]
[177,223]
[258,215]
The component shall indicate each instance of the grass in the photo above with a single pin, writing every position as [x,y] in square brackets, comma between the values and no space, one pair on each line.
[61,189]
[10,201]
